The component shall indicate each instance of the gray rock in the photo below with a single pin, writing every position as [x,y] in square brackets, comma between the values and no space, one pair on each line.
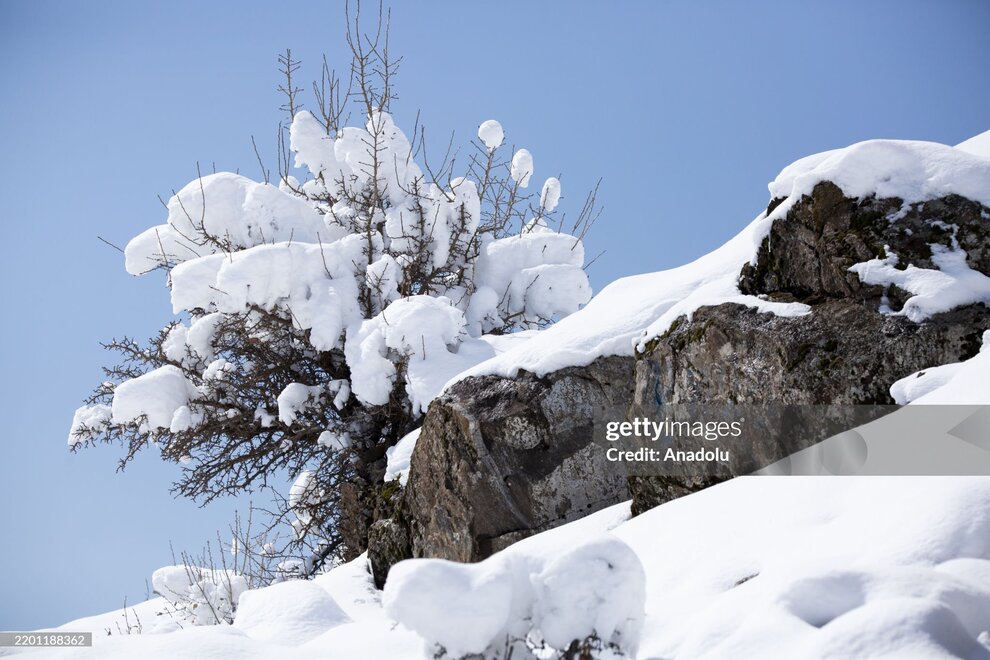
[501,459]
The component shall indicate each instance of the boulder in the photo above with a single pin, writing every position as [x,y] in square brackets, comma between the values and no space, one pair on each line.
[500,459]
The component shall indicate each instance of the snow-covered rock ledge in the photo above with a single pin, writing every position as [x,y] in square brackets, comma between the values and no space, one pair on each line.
[792,311]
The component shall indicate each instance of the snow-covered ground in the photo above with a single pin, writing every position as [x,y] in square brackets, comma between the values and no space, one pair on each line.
[759,567]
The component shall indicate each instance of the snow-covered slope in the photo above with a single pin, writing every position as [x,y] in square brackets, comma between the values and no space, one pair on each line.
[978,145]
[634,309]
[782,567]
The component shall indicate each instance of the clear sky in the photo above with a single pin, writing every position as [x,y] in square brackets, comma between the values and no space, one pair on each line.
[685,109]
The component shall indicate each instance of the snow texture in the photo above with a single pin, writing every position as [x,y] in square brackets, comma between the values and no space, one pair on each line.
[303,494]
[199,596]
[294,399]
[88,422]
[910,170]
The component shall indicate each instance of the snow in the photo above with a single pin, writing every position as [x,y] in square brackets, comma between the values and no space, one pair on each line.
[242,211]
[399,457]
[491,134]
[832,567]
[962,383]
[432,336]
[978,145]
[478,608]
[197,595]
[419,328]
[316,283]
[295,398]
[88,422]
[952,285]
[522,167]
[155,396]
[459,607]
[304,493]
[913,171]
[292,612]
[599,587]
[550,194]
[537,274]
[782,567]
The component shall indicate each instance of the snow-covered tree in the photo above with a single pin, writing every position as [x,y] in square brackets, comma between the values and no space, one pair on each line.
[318,317]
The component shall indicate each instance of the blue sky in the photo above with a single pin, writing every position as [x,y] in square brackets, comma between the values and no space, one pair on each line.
[684,109]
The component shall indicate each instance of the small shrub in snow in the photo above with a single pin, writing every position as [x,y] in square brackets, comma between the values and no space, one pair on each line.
[199,596]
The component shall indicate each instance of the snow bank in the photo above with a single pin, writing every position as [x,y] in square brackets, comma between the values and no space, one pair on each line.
[598,588]
[460,608]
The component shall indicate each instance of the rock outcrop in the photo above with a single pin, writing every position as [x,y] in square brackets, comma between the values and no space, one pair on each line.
[500,459]
[846,352]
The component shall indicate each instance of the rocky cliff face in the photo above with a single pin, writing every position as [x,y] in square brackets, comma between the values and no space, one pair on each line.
[500,459]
